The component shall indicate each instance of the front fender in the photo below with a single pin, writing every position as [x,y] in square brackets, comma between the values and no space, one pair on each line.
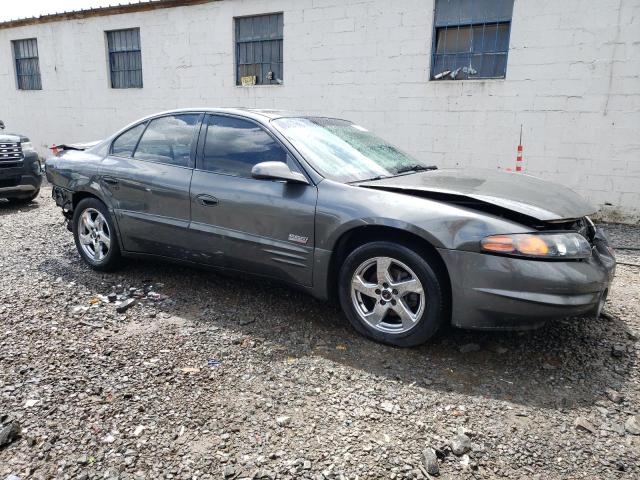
[332,239]
[344,207]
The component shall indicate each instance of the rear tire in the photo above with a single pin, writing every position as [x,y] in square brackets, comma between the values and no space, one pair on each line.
[392,294]
[95,235]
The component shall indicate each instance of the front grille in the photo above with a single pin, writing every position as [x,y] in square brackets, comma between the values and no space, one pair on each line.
[10,154]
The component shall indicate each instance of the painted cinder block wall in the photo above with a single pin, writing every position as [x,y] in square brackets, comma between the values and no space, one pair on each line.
[573,82]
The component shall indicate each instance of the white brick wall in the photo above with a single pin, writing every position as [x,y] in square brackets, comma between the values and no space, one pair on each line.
[573,81]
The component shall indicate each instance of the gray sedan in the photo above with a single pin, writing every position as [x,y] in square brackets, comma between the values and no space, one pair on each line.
[326,206]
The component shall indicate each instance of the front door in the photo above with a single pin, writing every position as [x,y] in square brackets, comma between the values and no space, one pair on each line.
[259,226]
[147,182]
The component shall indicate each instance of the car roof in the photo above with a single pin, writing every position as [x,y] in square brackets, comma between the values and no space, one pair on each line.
[247,112]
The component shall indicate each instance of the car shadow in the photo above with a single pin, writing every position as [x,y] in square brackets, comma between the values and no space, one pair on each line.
[8,208]
[564,365]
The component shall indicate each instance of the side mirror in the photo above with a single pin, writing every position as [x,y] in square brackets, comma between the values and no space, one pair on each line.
[277,171]
[1,125]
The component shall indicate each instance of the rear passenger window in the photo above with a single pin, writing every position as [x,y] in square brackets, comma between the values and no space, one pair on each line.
[124,145]
[168,140]
[233,146]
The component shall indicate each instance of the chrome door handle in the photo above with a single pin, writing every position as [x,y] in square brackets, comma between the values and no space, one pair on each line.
[206,200]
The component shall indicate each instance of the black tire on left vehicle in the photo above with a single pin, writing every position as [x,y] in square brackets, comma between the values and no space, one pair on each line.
[24,200]
[95,235]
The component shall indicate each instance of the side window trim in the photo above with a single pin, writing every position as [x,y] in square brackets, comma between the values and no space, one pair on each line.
[194,140]
[145,123]
[203,138]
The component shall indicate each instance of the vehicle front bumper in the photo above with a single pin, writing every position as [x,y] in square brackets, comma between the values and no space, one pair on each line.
[20,182]
[491,292]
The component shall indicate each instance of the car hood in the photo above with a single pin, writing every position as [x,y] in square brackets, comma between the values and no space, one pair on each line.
[9,138]
[524,194]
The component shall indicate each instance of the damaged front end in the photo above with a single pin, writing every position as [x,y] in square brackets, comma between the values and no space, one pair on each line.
[559,265]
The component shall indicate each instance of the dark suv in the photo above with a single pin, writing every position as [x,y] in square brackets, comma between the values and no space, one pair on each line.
[20,170]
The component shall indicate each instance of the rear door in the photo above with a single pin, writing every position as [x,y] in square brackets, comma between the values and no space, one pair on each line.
[259,226]
[147,176]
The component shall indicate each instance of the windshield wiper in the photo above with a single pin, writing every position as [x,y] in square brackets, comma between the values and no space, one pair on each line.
[379,177]
[407,169]
[416,168]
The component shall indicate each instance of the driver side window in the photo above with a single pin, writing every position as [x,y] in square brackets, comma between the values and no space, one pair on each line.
[233,146]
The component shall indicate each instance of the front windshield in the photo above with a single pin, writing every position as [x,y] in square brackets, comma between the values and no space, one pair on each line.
[343,151]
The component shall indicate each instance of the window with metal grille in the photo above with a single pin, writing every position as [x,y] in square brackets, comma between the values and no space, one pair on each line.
[125,58]
[259,49]
[27,64]
[470,39]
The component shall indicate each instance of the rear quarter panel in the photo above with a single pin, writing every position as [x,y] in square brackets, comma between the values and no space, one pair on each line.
[77,171]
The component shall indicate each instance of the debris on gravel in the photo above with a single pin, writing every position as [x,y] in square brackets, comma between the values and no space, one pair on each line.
[618,350]
[125,305]
[460,444]
[283,421]
[632,425]
[585,425]
[430,461]
[614,396]
[9,433]
[194,380]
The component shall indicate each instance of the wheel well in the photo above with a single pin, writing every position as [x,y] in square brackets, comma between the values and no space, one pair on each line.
[357,237]
[78,196]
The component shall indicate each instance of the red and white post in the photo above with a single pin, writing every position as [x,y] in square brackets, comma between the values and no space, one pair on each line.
[519,163]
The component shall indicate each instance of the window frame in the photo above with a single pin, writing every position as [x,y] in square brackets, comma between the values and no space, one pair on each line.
[237,42]
[194,145]
[463,24]
[292,161]
[115,139]
[16,60]
[110,53]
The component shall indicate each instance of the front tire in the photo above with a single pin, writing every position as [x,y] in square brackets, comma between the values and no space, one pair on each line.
[95,235]
[392,294]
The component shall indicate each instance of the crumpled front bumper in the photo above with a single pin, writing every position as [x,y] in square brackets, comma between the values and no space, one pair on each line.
[497,292]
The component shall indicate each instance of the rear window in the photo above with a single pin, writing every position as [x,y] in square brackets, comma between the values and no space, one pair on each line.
[125,144]
[168,140]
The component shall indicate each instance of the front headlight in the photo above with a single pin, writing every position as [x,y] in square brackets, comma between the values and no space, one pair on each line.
[559,246]
[27,147]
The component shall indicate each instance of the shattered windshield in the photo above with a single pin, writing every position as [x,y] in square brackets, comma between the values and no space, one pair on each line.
[345,152]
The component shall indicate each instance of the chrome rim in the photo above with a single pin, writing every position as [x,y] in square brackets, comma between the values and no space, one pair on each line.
[94,234]
[387,295]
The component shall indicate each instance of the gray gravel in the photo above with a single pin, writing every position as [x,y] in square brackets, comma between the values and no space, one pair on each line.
[208,376]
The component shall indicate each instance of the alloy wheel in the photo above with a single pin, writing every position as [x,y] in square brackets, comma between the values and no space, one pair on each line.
[387,295]
[94,234]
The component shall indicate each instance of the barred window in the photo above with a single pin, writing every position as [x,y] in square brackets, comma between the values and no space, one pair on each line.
[259,49]
[27,64]
[125,58]
[471,39]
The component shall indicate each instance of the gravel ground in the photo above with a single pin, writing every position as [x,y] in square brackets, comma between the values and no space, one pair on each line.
[208,376]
